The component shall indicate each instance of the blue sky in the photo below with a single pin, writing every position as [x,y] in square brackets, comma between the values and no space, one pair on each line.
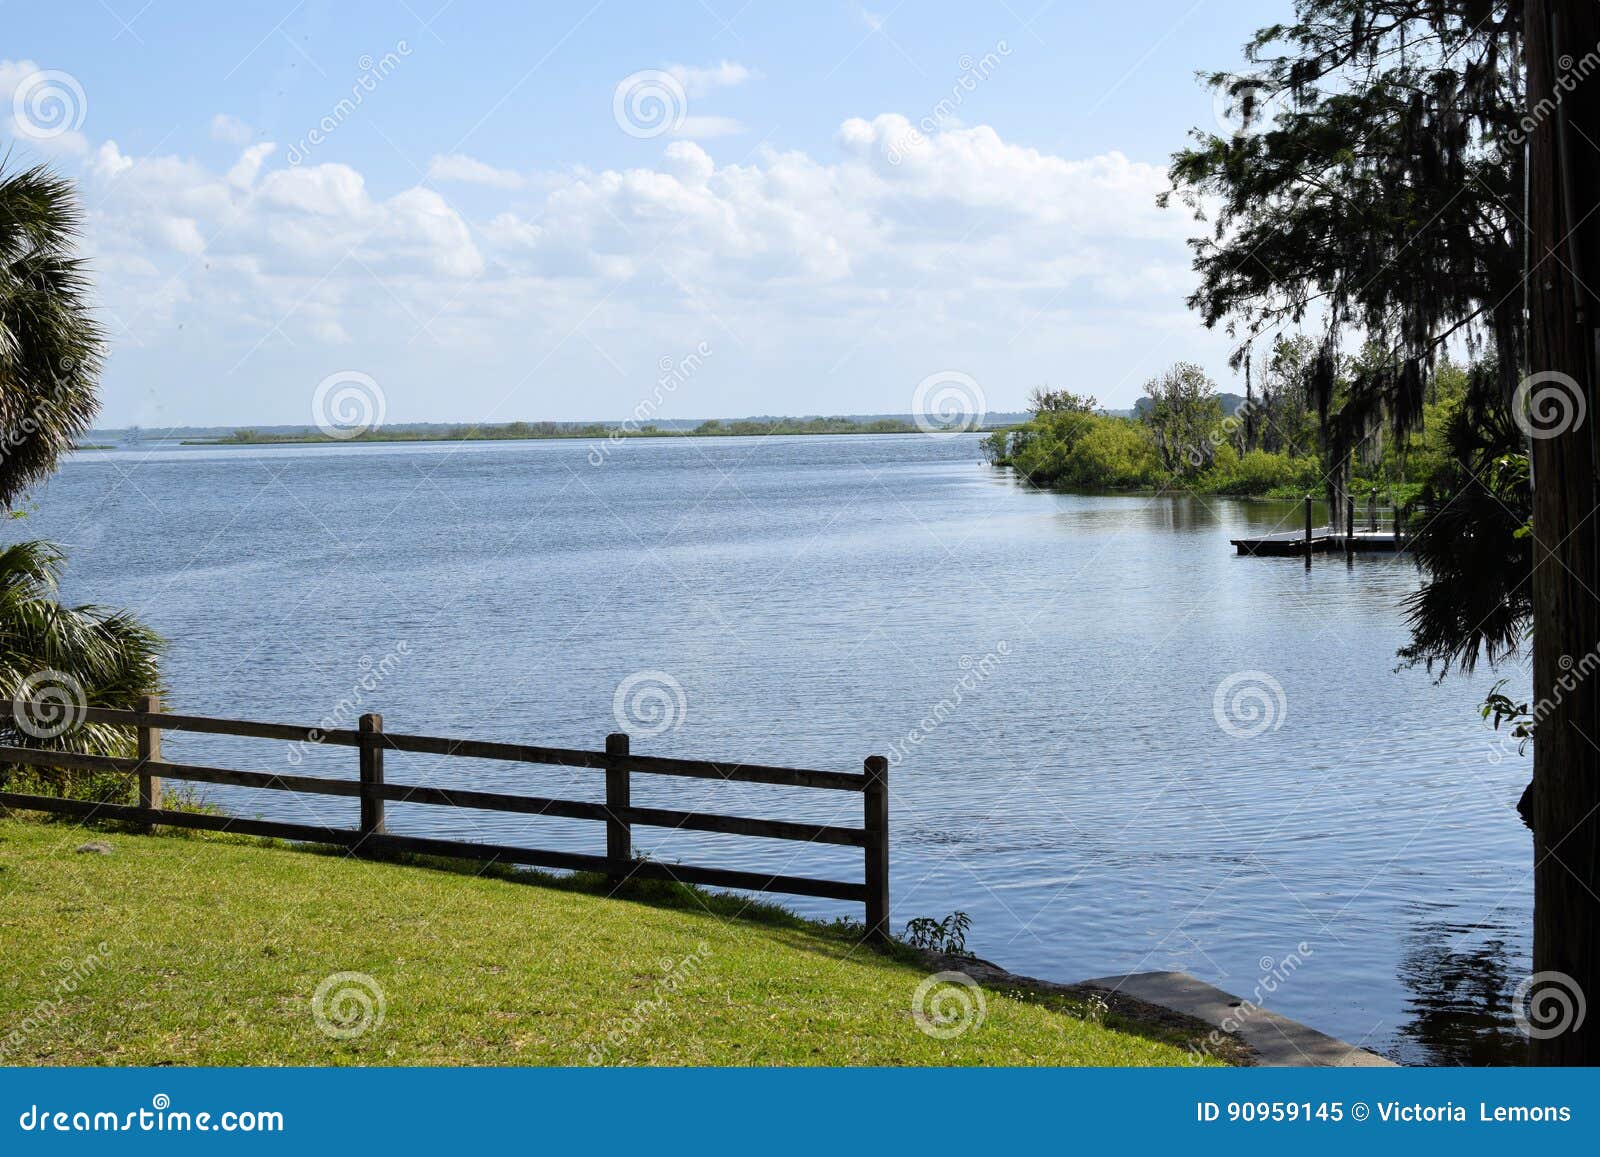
[841,200]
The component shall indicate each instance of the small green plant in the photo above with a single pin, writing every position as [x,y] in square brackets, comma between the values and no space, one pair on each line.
[947,936]
[1499,708]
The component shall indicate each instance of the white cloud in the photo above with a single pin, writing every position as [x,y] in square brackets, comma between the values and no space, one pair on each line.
[697,81]
[689,163]
[458,167]
[230,130]
[108,160]
[833,276]
[701,128]
[324,190]
[243,173]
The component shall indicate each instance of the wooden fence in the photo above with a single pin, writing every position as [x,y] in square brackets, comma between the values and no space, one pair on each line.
[371,742]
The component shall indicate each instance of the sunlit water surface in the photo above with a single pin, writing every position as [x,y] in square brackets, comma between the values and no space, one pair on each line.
[818,599]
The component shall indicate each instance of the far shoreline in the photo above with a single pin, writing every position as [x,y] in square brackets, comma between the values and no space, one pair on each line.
[610,433]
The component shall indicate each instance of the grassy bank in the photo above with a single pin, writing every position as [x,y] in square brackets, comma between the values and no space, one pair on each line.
[210,950]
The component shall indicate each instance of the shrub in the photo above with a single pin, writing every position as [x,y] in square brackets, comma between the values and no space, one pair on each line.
[1113,455]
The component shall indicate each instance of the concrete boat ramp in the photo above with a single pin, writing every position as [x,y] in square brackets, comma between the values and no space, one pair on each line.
[1275,1039]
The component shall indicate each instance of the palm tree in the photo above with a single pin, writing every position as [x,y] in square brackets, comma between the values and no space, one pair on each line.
[50,346]
[67,658]
[50,356]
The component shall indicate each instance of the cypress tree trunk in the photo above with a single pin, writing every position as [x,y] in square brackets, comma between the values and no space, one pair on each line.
[1564,802]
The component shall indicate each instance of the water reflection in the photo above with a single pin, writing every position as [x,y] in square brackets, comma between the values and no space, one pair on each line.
[1461,981]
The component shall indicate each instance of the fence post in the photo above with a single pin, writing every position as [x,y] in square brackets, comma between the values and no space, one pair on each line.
[371,776]
[1372,511]
[876,795]
[1350,526]
[149,752]
[1308,529]
[619,798]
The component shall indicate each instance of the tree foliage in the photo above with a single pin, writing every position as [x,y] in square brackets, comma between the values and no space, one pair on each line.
[1380,194]
[50,356]
[50,346]
[1183,411]
[1371,197]
[1471,536]
[1044,400]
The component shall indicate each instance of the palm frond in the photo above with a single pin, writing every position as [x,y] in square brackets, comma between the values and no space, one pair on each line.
[51,348]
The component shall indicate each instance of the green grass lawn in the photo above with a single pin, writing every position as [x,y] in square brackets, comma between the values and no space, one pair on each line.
[210,951]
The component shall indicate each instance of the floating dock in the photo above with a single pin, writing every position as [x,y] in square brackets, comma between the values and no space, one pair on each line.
[1321,540]
[1380,530]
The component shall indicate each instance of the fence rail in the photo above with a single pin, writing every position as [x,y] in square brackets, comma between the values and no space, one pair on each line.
[618,763]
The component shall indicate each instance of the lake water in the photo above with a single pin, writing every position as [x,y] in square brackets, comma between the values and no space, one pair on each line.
[817,600]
